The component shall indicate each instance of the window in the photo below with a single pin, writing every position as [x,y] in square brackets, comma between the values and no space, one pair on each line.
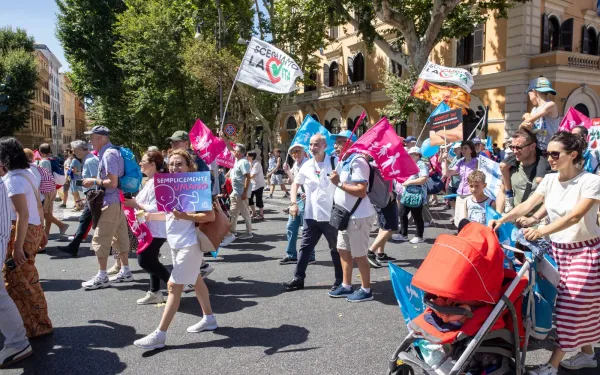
[588,41]
[358,68]
[470,48]
[313,86]
[333,32]
[566,35]
[334,72]
[333,126]
[550,33]
[395,68]
[583,109]
[291,123]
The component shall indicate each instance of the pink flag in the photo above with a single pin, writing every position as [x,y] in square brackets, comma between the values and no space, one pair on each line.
[387,150]
[141,231]
[225,158]
[204,143]
[574,118]
[36,155]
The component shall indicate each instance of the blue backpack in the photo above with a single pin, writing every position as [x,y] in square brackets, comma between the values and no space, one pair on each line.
[131,181]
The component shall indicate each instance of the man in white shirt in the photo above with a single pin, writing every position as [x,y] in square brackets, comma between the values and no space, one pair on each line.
[351,193]
[313,175]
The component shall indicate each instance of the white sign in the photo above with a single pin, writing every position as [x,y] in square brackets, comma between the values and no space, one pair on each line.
[442,74]
[493,176]
[268,68]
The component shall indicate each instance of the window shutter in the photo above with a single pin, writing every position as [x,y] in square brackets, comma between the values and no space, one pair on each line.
[350,69]
[585,40]
[460,52]
[359,67]
[326,75]
[545,34]
[478,43]
[566,35]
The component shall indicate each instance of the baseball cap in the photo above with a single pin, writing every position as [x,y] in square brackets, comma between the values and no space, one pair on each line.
[456,145]
[414,150]
[476,141]
[98,129]
[179,135]
[541,84]
[345,134]
[410,138]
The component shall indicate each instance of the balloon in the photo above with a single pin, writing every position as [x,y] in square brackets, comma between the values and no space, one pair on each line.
[427,150]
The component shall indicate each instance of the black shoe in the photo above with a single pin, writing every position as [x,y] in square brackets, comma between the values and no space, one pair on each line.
[372,258]
[294,284]
[336,285]
[68,250]
[288,260]
[384,258]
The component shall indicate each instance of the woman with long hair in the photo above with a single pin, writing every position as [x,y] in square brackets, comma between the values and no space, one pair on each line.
[187,259]
[462,169]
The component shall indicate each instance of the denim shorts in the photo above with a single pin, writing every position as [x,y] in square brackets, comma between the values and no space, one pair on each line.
[387,217]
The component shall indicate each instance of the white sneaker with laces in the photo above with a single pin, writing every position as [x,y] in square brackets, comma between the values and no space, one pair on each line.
[206,270]
[188,288]
[579,361]
[203,325]
[96,283]
[9,355]
[155,340]
[122,277]
[227,240]
[246,236]
[399,237]
[546,369]
[151,298]
[416,240]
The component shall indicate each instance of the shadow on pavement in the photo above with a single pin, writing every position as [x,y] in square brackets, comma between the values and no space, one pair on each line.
[246,257]
[49,285]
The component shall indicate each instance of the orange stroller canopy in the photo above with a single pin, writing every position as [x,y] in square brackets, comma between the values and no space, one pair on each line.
[466,267]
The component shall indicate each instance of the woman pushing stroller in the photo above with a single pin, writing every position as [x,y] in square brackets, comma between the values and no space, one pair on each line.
[572,199]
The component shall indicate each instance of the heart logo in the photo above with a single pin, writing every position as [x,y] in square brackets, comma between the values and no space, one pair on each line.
[274,69]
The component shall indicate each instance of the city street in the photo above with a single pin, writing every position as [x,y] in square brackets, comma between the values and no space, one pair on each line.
[263,329]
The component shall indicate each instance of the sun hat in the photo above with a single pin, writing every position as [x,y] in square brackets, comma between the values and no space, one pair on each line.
[541,84]
[345,134]
[414,150]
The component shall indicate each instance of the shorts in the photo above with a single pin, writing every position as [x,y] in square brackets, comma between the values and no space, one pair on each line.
[74,188]
[356,234]
[48,203]
[276,179]
[387,217]
[111,231]
[186,265]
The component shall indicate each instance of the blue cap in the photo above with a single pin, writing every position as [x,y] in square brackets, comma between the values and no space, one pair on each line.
[345,134]
[98,129]
[476,141]
[410,138]
[541,84]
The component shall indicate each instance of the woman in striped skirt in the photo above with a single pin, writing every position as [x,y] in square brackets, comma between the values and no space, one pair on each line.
[572,198]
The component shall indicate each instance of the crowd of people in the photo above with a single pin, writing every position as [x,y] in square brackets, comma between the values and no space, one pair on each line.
[549,188]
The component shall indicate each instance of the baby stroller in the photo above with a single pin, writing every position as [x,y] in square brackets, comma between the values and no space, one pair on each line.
[473,321]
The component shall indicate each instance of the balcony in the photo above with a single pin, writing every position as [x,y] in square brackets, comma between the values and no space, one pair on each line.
[565,58]
[325,93]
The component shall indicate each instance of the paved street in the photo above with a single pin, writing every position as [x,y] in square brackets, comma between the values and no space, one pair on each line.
[263,329]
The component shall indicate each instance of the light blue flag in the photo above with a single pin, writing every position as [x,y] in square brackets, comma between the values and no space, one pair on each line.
[489,145]
[441,108]
[310,127]
[507,232]
[410,298]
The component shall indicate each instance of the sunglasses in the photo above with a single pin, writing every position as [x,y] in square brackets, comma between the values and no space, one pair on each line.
[519,148]
[555,155]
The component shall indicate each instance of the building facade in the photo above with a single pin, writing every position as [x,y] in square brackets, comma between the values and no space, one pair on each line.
[557,39]
[80,119]
[54,87]
[68,102]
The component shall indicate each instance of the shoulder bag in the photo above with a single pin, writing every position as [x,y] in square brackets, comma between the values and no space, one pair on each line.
[210,235]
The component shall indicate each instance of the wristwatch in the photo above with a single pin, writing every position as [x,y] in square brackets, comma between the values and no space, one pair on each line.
[340,184]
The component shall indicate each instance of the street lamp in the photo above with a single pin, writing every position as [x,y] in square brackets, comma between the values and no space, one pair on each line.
[243,41]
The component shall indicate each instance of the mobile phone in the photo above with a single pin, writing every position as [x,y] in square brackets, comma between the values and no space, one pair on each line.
[79,183]
[10,264]
[127,195]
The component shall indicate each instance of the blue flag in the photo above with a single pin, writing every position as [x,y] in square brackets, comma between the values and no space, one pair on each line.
[507,232]
[409,298]
[441,108]
[489,145]
[310,127]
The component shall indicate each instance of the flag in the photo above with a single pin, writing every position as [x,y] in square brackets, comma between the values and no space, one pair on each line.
[455,97]
[441,108]
[225,158]
[493,176]
[442,74]
[387,150]
[268,68]
[36,155]
[488,144]
[445,127]
[204,143]
[410,298]
[310,127]
[574,118]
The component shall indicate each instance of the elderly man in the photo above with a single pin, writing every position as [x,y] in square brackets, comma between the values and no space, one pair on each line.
[111,229]
[313,176]
[90,170]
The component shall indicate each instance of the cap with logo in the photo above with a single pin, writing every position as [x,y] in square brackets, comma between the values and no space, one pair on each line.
[541,84]
[345,134]
[98,129]
[178,136]
[476,141]
[410,138]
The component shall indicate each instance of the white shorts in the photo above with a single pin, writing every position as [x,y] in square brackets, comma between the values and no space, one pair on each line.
[356,237]
[186,265]
[276,179]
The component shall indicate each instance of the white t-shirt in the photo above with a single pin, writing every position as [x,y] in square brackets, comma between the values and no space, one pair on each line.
[38,178]
[180,233]
[318,188]
[259,178]
[16,183]
[476,210]
[360,173]
[561,197]
[147,198]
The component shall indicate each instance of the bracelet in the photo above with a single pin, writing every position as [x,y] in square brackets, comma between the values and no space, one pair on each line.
[293,204]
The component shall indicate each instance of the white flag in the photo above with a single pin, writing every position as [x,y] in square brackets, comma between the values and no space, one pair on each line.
[493,176]
[268,68]
[443,74]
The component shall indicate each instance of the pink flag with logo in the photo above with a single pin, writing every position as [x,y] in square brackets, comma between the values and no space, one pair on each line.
[387,150]
[204,143]
[574,118]
[225,158]
[140,231]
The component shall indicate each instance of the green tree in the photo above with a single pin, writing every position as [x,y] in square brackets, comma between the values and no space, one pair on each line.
[18,71]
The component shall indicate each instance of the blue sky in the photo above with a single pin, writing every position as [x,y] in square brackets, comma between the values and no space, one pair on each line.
[38,17]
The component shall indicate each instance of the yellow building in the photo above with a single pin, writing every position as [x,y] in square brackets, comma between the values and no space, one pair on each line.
[80,119]
[68,103]
[557,39]
[38,129]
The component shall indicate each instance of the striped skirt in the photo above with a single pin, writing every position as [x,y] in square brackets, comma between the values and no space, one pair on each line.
[578,302]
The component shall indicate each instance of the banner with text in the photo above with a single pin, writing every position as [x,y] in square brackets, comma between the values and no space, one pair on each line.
[184,192]
[443,74]
[446,127]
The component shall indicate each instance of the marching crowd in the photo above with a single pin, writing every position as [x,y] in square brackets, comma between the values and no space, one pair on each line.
[549,188]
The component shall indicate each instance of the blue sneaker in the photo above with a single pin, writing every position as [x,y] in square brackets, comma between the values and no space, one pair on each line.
[340,291]
[360,296]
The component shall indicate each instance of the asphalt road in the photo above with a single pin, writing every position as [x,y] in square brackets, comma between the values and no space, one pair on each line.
[263,329]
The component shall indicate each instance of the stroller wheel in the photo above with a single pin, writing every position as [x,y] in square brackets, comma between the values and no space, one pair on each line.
[404,369]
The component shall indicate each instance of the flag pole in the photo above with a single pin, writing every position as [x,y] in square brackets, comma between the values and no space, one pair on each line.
[228,99]
[360,119]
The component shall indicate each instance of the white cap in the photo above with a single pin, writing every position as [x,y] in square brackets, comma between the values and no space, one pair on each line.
[414,150]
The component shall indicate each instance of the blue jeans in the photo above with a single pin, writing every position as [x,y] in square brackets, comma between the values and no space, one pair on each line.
[293,226]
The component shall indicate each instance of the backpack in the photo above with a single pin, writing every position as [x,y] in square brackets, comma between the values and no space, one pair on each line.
[47,185]
[131,181]
[58,172]
[379,190]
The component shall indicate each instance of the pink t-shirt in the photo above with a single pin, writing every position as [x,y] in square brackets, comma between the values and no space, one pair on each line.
[464,170]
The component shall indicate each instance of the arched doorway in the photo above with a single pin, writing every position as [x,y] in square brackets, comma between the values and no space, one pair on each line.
[583,109]
[332,121]
[585,100]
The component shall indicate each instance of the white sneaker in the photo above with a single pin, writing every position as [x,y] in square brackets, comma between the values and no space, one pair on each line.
[399,237]
[416,240]
[188,288]
[8,356]
[151,298]
[113,270]
[509,204]
[203,325]
[227,240]
[96,283]
[155,340]
[246,236]
[546,369]
[122,277]
[579,361]
[71,238]
[206,270]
